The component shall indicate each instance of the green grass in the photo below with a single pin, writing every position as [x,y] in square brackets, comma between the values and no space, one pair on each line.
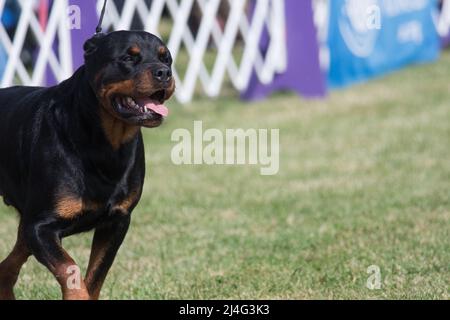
[364,180]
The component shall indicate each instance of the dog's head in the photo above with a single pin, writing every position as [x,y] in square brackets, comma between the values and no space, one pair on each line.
[130,73]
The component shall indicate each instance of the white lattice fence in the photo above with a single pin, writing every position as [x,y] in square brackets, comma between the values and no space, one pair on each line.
[46,57]
[211,35]
[443,21]
[267,13]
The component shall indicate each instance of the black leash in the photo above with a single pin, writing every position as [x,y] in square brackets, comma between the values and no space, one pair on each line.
[102,15]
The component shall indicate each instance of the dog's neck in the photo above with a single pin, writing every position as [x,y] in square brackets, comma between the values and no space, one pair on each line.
[116,132]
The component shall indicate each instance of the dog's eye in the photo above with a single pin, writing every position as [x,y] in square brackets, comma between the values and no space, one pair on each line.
[127,58]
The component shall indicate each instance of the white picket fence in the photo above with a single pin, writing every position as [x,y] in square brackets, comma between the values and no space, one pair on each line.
[267,14]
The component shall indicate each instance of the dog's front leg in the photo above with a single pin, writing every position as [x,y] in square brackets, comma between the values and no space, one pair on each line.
[10,267]
[107,241]
[44,241]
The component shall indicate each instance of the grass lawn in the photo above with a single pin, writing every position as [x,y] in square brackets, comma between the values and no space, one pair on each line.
[364,180]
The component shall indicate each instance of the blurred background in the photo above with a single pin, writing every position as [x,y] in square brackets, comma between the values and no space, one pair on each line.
[359,90]
[251,48]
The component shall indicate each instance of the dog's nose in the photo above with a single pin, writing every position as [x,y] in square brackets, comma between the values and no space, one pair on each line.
[162,74]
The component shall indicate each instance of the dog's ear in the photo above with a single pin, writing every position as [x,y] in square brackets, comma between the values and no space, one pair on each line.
[91,46]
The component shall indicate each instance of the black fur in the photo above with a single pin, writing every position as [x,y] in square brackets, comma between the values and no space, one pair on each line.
[54,143]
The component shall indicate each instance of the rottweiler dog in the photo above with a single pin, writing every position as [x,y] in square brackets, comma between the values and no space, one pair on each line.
[72,156]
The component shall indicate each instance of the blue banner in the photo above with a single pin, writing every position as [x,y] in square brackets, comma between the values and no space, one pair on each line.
[368,38]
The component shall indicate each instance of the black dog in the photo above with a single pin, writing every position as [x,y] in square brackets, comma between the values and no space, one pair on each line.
[72,156]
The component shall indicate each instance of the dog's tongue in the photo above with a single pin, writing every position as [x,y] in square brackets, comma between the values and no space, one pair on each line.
[154,106]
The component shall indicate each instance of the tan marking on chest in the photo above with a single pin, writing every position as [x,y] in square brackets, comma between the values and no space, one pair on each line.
[70,207]
[117,132]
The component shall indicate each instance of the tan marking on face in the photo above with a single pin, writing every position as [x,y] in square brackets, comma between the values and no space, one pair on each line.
[117,131]
[123,88]
[145,83]
[69,206]
[134,50]
[171,90]
[162,50]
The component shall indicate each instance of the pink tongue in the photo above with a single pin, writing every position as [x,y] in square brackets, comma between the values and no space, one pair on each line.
[158,108]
